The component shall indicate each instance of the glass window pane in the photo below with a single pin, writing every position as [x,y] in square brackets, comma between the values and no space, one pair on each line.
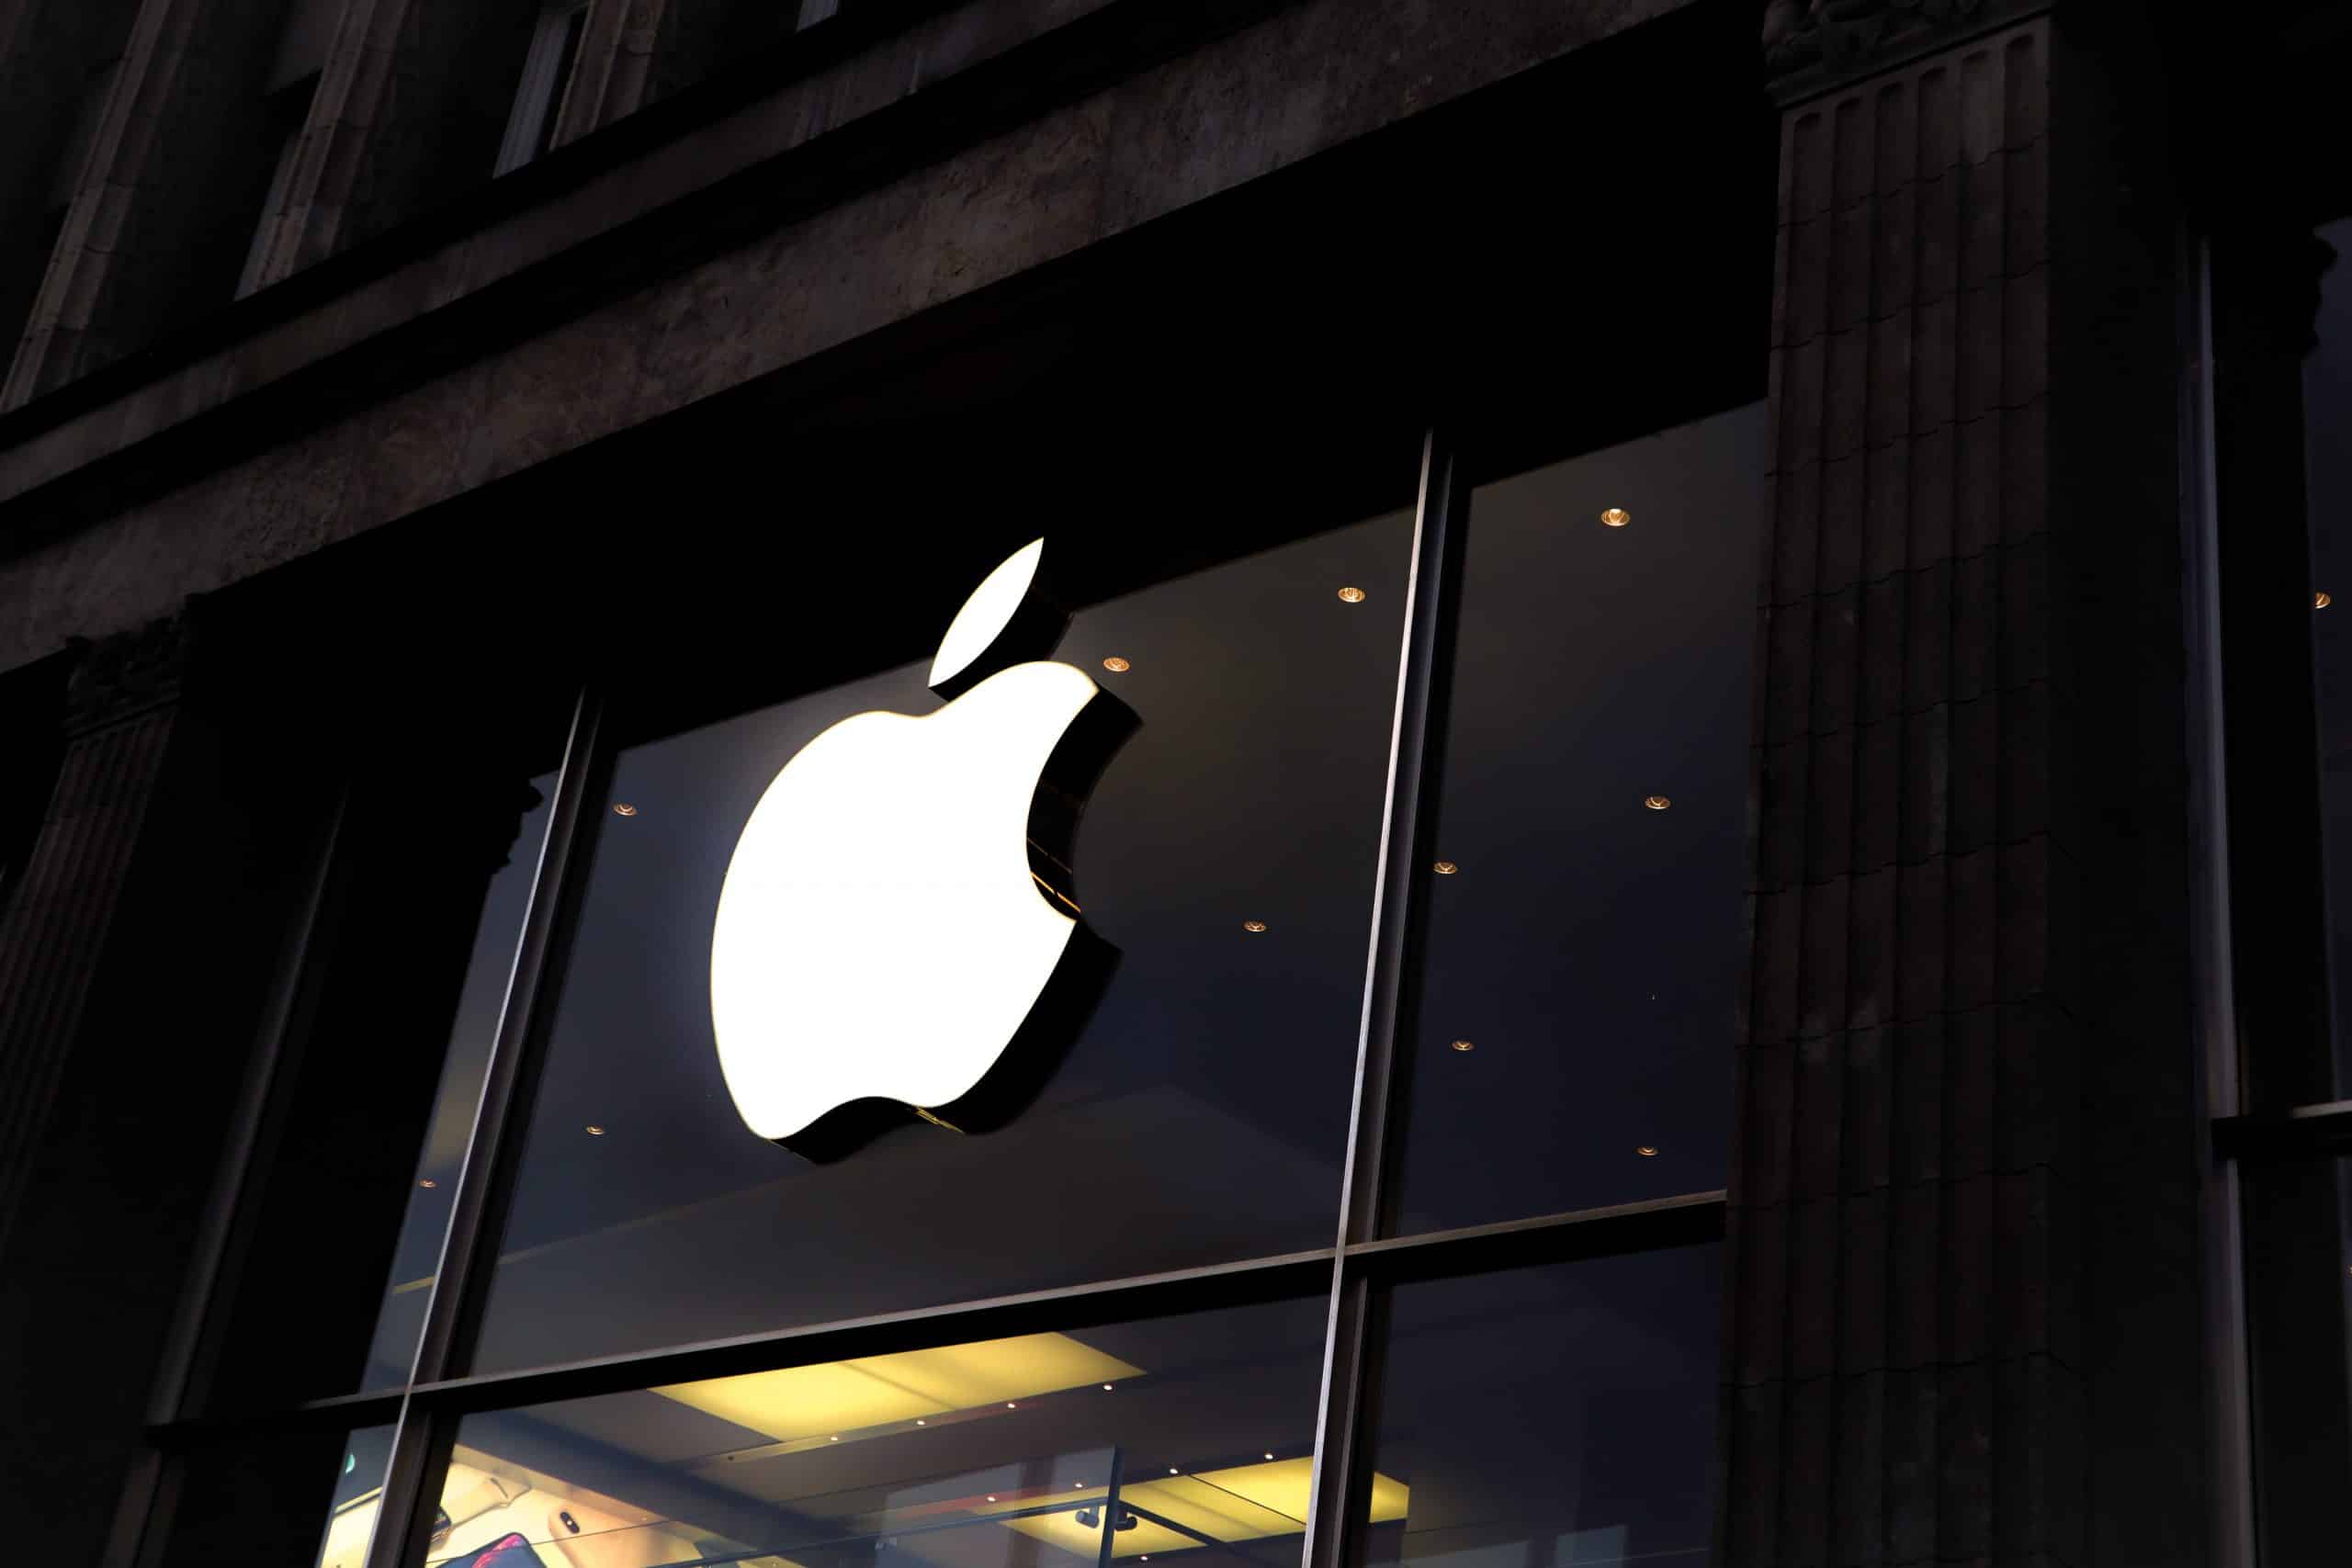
[378,1091]
[1556,1415]
[2299,1307]
[2327,414]
[1188,1435]
[260,1498]
[1181,1092]
[1573,1041]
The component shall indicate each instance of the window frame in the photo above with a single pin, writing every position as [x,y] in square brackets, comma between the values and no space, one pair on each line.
[548,66]
[1351,1272]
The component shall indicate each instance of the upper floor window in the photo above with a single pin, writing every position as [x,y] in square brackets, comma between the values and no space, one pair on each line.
[546,74]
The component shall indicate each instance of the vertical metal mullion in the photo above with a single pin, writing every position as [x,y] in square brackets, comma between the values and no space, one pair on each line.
[423,1435]
[1399,892]
[2229,1395]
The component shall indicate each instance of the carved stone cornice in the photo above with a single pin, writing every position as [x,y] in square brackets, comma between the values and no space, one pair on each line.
[1815,46]
[125,675]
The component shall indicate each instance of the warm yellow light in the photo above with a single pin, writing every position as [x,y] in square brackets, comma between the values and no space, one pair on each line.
[1116,665]
[795,1402]
[1646,1151]
[624,808]
[2321,600]
[1350,595]
[594,1131]
[1253,927]
[1616,517]
[1656,802]
[429,1183]
[1447,868]
[1464,1045]
[1253,1502]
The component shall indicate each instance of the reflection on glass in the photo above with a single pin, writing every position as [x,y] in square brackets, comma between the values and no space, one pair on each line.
[358,1486]
[1194,1108]
[1558,1414]
[2327,414]
[401,1319]
[2298,1309]
[292,1495]
[377,1087]
[1572,1043]
[1185,1437]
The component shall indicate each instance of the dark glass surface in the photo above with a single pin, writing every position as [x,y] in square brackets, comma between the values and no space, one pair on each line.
[2328,416]
[1585,947]
[261,1498]
[1186,1438]
[408,1285]
[2298,1309]
[381,1072]
[1198,1115]
[1560,1414]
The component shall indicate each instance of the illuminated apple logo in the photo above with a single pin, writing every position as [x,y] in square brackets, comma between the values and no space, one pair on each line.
[895,909]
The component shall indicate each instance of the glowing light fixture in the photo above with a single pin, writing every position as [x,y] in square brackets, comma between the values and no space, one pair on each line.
[1254,928]
[1447,868]
[1464,1045]
[428,1184]
[1656,802]
[1116,665]
[1646,1151]
[594,1131]
[1616,517]
[1350,595]
[794,1403]
[889,835]
[2321,600]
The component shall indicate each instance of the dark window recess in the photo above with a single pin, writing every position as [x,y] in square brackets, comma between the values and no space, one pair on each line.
[567,55]
[369,1123]
[289,108]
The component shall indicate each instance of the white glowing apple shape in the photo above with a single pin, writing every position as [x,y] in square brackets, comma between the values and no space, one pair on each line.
[879,933]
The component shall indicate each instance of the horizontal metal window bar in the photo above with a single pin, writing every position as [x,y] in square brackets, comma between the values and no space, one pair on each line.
[1109,1300]
[1652,1222]
[2305,1130]
[1621,1227]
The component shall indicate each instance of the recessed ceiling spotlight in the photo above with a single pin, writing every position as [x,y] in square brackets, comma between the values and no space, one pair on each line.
[1616,517]
[1106,1388]
[429,1183]
[2321,600]
[920,1422]
[1270,1454]
[1116,665]
[594,1131]
[1447,868]
[1255,927]
[623,808]
[1171,1470]
[1656,802]
[1010,1404]
[833,1440]
[991,1497]
[1350,595]
[1464,1045]
[1648,1151]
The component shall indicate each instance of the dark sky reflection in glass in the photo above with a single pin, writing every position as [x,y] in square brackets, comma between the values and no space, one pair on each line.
[1202,1114]
[1587,946]
[2327,414]
[1552,1415]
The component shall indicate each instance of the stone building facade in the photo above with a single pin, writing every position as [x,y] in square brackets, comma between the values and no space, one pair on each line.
[387,371]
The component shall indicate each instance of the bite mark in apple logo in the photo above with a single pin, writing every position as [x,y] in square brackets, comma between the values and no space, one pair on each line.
[898,930]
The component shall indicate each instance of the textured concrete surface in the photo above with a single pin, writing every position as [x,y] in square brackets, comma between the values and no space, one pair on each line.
[1308,77]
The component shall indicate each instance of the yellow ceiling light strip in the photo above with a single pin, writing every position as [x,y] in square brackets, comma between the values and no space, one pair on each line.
[1250,1502]
[793,1403]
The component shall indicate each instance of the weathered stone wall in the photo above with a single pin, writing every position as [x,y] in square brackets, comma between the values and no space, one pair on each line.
[1307,77]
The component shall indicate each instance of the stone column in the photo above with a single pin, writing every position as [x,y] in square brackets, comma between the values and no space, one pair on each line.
[1963,1303]
[121,710]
